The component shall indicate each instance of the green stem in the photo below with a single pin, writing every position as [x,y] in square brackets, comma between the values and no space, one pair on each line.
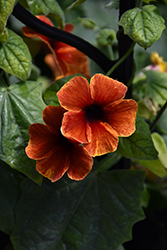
[110,52]
[152,126]
[121,60]
[139,3]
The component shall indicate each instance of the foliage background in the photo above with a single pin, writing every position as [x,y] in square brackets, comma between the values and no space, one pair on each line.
[25,207]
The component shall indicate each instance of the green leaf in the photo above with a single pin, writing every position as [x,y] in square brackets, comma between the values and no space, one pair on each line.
[50,96]
[161,148]
[138,146]
[74,4]
[88,23]
[9,195]
[15,56]
[113,4]
[144,26]
[156,86]
[46,7]
[154,166]
[106,37]
[96,213]
[21,104]
[6,8]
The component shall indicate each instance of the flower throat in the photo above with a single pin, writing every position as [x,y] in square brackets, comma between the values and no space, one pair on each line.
[94,113]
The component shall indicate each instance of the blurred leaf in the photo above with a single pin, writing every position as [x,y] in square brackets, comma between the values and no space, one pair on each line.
[163,122]
[96,213]
[15,56]
[50,96]
[20,105]
[156,86]
[138,146]
[161,148]
[106,37]
[6,8]
[145,198]
[74,4]
[154,166]
[9,195]
[113,4]
[148,1]
[148,108]
[46,7]
[144,26]
[88,23]
[35,73]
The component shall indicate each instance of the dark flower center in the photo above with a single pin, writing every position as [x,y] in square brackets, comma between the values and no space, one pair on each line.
[65,143]
[94,113]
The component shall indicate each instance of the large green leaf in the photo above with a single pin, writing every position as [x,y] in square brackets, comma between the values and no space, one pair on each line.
[144,26]
[6,7]
[15,56]
[156,85]
[138,146]
[47,7]
[96,213]
[20,105]
[9,195]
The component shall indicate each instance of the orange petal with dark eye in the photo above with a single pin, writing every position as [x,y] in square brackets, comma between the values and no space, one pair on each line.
[80,163]
[121,116]
[104,139]
[42,142]
[105,90]
[74,126]
[75,94]
[52,116]
[54,166]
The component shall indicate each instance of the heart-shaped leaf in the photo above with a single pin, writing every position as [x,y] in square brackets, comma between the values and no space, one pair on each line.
[144,26]
[96,213]
[15,56]
[6,7]
[21,104]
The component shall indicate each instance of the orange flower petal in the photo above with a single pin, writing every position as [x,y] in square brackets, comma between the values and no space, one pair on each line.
[74,126]
[103,139]
[54,166]
[73,61]
[54,66]
[75,94]
[80,163]
[52,116]
[105,90]
[121,116]
[42,142]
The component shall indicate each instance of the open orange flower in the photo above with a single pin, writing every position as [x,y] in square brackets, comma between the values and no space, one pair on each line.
[54,153]
[97,114]
[64,59]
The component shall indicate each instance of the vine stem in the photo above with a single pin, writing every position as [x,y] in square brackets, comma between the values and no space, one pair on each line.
[152,126]
[121,60]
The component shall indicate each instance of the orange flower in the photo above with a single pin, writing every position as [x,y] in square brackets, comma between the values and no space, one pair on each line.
[97,113]
[54,153]
[64,59]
